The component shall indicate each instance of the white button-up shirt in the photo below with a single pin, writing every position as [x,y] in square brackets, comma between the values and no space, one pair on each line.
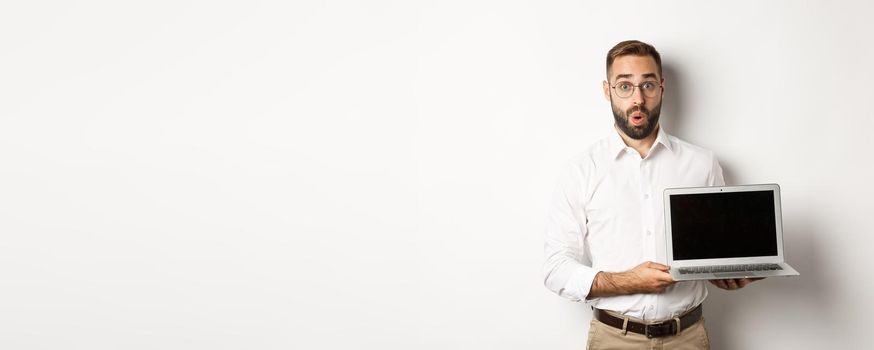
[608,215]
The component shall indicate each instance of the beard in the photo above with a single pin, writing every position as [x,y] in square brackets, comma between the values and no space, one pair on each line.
[637,132]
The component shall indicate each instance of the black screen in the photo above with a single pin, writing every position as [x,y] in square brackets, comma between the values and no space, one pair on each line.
[723,225]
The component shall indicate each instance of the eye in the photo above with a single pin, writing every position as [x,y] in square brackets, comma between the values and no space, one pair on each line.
[624,86]
[649,85]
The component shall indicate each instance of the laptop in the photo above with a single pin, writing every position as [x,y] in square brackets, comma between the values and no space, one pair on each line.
[725,232]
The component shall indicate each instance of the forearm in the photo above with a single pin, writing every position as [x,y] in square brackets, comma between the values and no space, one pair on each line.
[648,277]
[608,284]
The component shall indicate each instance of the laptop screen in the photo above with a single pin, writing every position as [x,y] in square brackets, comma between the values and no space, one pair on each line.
[723,225]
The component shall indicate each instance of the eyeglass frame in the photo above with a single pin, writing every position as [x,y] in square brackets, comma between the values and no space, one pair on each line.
[659,84]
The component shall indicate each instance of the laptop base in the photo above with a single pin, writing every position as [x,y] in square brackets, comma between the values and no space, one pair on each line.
[786,271]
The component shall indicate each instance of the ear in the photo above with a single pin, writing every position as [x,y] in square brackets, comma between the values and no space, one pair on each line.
[663,87]
[606,86]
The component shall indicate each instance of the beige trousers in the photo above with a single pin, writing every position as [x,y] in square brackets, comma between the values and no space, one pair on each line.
[604,337]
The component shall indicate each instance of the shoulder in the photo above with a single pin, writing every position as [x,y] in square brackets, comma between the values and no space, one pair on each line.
[685,148]
[584,168]
[592,158]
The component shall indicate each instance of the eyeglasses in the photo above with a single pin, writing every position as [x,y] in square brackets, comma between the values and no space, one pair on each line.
[626,89]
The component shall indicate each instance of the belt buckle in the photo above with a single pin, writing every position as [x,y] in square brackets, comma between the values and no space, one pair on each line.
[660,329]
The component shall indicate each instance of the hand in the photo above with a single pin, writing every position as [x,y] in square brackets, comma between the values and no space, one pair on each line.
[651,277]
[732,284]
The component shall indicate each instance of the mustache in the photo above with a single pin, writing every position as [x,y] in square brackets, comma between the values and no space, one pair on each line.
[642,109]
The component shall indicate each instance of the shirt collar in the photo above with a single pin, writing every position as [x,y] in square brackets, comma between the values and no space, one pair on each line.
[617,145]
[662,138]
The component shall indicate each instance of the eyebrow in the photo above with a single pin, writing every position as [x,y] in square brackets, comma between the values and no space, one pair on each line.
[647,75]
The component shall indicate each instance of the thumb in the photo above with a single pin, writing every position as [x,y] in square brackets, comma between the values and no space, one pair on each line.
[658,266]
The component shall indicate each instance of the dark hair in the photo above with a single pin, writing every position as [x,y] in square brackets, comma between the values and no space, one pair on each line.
[633,48]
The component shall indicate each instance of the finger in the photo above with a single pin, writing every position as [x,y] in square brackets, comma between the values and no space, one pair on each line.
[744,282]
[713,282]
[663,284]
[657,266]
[732,284]
[667,278]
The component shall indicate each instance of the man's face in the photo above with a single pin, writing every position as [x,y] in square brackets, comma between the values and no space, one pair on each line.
[637,115]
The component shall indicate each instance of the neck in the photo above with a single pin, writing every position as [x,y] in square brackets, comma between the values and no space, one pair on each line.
[643,145]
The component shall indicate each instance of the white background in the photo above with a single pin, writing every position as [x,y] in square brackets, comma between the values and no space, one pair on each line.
[375,174]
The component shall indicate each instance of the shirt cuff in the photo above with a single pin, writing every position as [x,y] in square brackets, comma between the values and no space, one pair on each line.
[585,276]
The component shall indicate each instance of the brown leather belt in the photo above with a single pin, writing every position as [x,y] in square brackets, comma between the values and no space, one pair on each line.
[653,330]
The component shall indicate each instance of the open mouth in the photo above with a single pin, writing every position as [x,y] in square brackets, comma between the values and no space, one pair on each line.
[637,118]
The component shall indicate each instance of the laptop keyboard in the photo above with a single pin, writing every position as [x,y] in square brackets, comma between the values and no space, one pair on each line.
[729,268]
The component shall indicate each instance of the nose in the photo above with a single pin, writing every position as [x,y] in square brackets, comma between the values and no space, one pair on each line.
[637,96]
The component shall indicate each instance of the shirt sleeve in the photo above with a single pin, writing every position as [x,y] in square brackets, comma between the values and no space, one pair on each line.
[715,178]
[568,271]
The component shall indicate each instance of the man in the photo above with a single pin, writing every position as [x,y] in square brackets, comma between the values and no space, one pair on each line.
[605,238]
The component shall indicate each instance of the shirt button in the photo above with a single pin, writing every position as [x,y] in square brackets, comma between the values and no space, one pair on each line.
[646,196]
[648,232]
